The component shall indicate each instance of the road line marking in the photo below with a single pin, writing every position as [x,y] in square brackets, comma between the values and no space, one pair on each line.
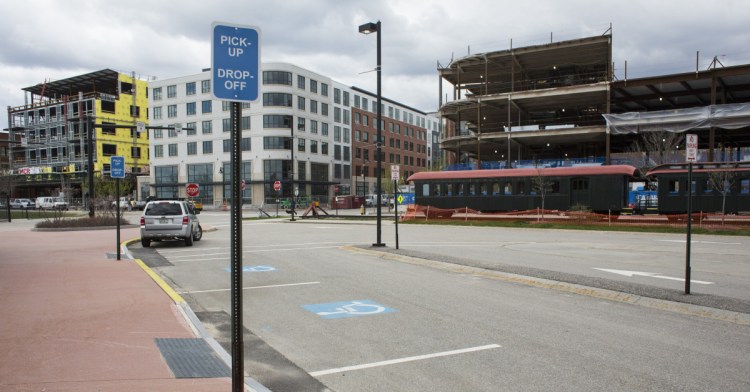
[402,360]
[702,242]
[250,288]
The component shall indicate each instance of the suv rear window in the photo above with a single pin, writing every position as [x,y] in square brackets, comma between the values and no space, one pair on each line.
[164,209]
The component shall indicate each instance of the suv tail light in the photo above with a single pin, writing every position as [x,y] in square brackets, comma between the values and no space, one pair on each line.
[185,220]
[143,221]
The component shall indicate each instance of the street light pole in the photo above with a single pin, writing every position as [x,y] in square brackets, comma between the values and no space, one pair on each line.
[369,28]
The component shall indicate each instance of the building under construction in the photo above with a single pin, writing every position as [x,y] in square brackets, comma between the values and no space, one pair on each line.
[559,103]
[66,119]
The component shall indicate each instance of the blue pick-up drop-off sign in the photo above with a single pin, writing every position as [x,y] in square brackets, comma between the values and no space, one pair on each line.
[117,167]
[235,62]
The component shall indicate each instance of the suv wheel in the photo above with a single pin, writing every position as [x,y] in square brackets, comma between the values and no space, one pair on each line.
[145,242]
[198,234]
[189,240]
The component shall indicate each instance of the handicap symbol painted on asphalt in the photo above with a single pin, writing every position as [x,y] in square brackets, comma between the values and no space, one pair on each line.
[254,268]
[334,310]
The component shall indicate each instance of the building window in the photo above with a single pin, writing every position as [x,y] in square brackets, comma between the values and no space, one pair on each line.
[190,88]
[206,107]
[313,106]
[226,124]
[207,127]
[313,126]
[157,113]
[313,86]
[109,149]
[277,77]
[172,91]
[300,82]
[301,124]
[208,146]
[277,99]
[324,129]
[157,94]
[206,86]
[171,111]
[190,108]
[276,143]
[192,148]
[337,96]
[324,109]
[158,151]
[166,175]
[158,133]
[227,145]
[301,103]
[301,145]
[245,123]
[173,150]
[245,144]
[313,146]
[324,148]
[191,129]
[324,89]
[276,121]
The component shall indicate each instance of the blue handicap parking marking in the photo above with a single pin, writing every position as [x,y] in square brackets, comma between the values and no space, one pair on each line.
[333,310]
[254,268]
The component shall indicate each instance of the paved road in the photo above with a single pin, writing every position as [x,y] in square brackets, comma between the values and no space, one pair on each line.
[333,317]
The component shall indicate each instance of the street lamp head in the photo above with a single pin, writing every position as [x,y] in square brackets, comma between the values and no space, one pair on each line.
[368,28]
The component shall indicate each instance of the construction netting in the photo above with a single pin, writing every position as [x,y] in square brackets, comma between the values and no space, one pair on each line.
[729,116]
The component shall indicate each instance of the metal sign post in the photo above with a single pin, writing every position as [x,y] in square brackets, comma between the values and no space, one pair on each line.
[395,173]
[117,171]
[235,65]
[691,156]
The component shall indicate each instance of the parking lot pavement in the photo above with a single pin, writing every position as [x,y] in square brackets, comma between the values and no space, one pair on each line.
[75,319]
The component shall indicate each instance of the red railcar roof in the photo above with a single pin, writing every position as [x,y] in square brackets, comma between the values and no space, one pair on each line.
[625,170]
[700,168]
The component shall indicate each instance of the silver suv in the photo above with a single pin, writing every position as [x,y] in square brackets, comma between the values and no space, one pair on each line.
[170,220]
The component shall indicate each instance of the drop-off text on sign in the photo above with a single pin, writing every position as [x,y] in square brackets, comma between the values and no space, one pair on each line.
[235,62]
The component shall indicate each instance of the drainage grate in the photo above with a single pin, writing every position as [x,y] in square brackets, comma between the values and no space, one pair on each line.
[192,358]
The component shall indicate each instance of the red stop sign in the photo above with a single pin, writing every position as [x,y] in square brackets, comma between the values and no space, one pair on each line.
[277,186]
[193,190]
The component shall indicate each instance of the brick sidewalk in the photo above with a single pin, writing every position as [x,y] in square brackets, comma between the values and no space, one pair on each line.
[74,320]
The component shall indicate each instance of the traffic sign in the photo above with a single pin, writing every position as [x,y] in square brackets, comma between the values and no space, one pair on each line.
[193,190]
[140,126]
[235,62]
[394,172]
[117,167]
[277,186]
[692,147]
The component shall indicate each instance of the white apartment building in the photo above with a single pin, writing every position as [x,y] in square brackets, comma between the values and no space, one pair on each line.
[294,104]
[299,132]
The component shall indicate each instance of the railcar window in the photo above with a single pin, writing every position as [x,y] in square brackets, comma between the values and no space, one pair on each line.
[438,188]
[449,189]
[472,189]
[555,188]
[426,189]
[692,187]
[707,188]
[520,188]
[460,190]
[674,186]
[745,186]
[508,188]
[495,188]
[483,189]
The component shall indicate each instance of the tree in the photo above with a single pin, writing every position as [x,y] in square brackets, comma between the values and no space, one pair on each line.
[654,148]
[542,185]
[721,181]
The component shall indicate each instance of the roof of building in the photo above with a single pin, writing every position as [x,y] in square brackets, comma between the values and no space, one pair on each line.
[103,81]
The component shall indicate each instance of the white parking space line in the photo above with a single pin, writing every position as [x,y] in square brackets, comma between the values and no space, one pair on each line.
[250,288]
[402,360]
[701,242]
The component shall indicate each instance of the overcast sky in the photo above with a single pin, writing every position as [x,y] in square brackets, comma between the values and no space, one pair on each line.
[51,40]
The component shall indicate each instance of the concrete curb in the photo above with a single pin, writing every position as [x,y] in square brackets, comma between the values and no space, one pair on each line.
[654,303]
[190,318]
